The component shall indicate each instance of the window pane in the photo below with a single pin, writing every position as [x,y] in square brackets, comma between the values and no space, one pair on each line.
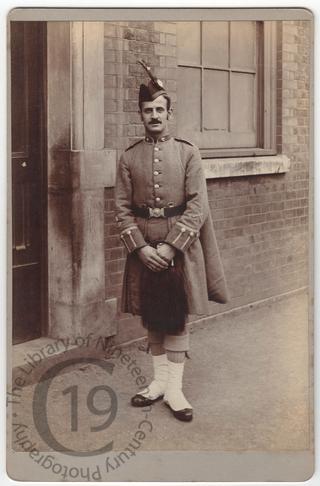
[215,100]
[188,107]
[215,44]
[242,102]
[243,44]
[188,42]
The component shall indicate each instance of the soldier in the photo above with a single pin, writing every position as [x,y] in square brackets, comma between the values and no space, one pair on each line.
[173,266]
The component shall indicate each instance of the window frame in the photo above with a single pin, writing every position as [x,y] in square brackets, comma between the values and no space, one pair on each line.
[266,104]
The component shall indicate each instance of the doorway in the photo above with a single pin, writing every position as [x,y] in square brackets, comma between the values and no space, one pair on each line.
[29,185]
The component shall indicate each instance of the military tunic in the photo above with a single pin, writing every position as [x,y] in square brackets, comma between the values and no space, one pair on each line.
[161,174]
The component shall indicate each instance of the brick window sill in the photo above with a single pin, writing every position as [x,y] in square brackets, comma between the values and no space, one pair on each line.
[245,166]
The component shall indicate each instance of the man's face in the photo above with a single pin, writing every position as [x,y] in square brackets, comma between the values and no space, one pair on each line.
[155,116]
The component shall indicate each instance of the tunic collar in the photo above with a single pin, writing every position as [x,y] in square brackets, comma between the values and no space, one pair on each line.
[161,139]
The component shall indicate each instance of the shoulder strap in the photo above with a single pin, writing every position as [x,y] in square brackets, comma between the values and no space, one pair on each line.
[183,141]
[133,145]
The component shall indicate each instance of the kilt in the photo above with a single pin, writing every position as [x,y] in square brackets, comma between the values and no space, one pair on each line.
[193,270]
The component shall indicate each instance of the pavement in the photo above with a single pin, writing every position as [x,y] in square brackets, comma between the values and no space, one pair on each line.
[248,380]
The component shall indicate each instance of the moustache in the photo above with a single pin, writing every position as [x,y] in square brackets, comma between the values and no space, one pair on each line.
[155,122]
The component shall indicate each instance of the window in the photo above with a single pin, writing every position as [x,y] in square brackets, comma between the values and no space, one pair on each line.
[226,86]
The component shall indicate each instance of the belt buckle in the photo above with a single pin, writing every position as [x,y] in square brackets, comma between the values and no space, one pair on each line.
[156,212]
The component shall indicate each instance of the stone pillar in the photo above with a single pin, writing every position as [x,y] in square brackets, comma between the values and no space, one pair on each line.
[79,168]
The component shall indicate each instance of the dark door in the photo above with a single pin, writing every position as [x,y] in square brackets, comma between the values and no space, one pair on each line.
[28,177]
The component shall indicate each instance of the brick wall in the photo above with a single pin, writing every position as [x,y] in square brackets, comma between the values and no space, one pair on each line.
[261,222]
[125,43]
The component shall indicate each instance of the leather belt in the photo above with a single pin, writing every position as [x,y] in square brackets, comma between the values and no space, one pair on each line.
[167,212]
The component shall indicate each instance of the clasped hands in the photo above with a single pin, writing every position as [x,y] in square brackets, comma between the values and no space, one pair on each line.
[157,259]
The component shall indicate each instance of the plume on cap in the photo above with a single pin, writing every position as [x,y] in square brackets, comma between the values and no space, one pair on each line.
[155,86]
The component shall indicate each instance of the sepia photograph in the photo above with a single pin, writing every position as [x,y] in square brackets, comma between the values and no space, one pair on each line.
[160,245]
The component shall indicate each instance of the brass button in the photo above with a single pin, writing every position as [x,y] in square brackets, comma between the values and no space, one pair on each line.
[191,233]
[156,148]
[183,230]
[129,232]
[156,172]
[158,199]
[156,186]
[156,160]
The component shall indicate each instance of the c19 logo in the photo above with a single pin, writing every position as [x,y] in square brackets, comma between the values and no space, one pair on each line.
[40,406]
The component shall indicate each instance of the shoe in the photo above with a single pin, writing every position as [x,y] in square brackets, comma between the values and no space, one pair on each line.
[185,415]
[174,397]
[142,401]
[156,389]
